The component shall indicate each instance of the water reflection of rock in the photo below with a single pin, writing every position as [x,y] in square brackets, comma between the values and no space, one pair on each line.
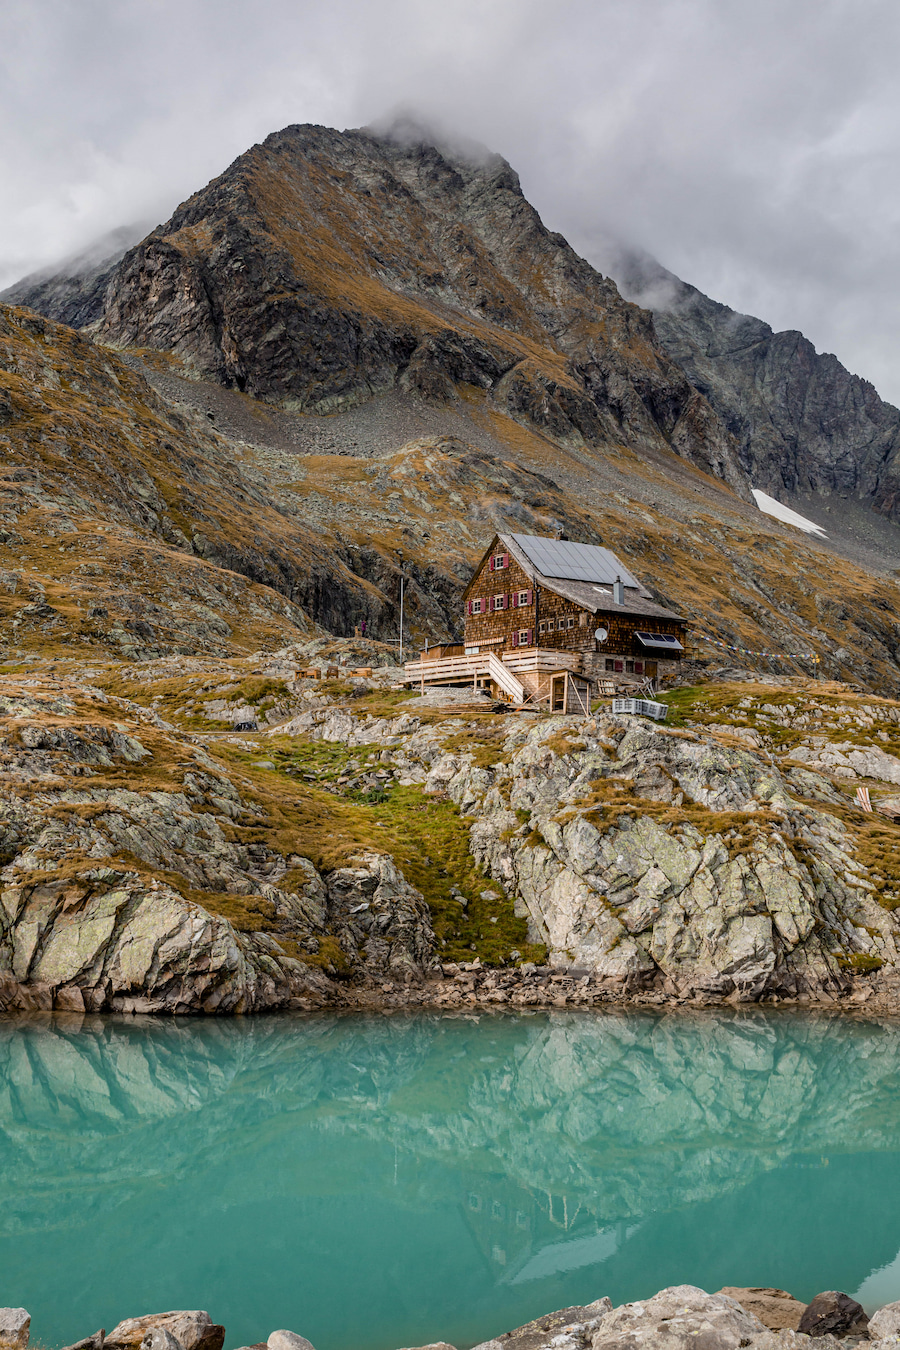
[601,1119]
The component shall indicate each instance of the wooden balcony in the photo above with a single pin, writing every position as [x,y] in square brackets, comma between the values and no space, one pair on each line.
[527,675]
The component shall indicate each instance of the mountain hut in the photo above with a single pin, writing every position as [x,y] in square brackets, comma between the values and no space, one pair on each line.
[557,617]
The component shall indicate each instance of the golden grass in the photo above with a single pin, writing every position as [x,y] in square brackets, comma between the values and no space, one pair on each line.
[612,799]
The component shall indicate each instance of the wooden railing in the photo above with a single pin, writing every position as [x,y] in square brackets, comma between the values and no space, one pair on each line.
[454,668]
[542,659]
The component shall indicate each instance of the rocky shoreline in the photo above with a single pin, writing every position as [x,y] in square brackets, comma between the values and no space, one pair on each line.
[681,1317]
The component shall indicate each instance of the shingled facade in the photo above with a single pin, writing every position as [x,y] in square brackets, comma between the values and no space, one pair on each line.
[514,601]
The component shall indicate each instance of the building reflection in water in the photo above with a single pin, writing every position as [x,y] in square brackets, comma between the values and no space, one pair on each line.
[375,1182]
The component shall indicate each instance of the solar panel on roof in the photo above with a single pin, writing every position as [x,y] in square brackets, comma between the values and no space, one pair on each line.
[573,562]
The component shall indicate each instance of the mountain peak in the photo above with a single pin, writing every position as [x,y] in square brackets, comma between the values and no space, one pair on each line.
[323,267]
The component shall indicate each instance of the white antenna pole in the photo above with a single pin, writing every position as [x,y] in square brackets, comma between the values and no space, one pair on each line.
[400,560]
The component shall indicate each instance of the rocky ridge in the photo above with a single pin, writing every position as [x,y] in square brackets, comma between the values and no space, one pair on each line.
[72,292]
[803,423]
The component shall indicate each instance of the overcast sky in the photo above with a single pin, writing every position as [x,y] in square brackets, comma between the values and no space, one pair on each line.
[752,146]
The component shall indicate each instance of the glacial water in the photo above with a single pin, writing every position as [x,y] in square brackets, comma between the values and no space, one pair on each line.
[375,1182]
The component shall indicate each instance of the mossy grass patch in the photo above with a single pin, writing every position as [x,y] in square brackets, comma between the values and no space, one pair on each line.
[307,812]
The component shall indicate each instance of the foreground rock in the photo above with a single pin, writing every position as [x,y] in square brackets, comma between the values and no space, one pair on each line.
[682,1317]
[568,1329]
[14,1328]
[287,1340]
[775,1308]
[678,1319]
[834,1313]
[191,1330]
[885,1324]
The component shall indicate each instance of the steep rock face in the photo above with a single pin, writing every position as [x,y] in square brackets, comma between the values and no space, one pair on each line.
[322,267]
[112,940]
[804,424]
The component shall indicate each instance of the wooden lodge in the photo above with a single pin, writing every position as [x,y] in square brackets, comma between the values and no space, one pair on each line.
[546,619]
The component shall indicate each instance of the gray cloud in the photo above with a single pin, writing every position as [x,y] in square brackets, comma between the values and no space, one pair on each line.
[753,149]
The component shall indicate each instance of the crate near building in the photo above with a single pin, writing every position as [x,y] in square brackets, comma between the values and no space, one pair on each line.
[540,608]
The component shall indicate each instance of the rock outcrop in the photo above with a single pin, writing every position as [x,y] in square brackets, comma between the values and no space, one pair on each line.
[711,861]
[649,857]
[113,892]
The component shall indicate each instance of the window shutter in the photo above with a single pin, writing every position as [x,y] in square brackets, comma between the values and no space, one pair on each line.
[492,562]
[515,639]
[530,597]
[529,638]
[514,600]
[504,560]
[468,606]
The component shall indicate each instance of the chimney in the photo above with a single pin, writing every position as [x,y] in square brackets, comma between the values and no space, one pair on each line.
[618,591]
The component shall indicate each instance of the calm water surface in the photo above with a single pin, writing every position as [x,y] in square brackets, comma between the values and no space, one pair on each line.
[374,1182]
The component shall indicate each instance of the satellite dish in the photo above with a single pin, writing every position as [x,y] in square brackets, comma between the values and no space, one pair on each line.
[601,634]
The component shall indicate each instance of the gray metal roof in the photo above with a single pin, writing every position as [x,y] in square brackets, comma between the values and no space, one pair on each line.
[599,599]
[590,595]
[573,562]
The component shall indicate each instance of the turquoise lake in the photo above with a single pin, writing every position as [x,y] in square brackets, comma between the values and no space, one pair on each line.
[375,1182]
